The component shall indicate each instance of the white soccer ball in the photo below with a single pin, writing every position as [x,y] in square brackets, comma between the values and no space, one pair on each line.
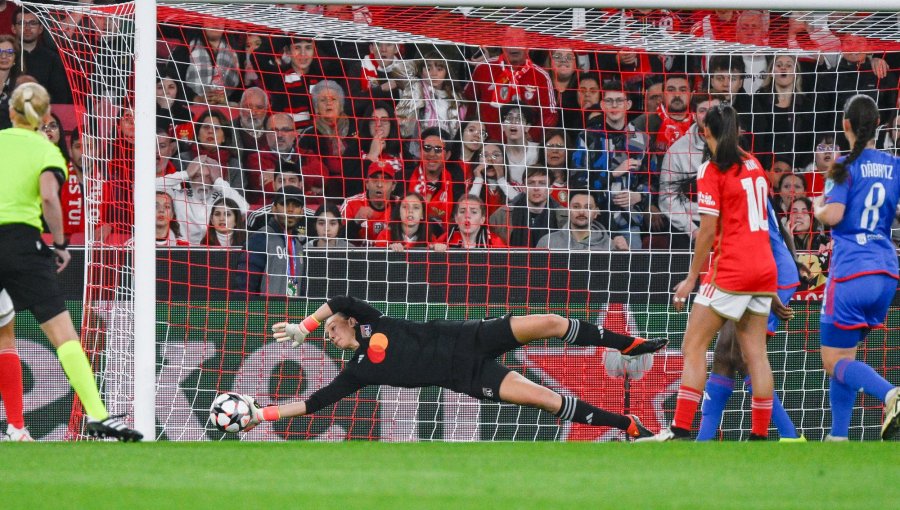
[618,364]
[230,412]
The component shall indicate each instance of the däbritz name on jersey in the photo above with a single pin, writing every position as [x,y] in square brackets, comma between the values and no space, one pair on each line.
[876,171]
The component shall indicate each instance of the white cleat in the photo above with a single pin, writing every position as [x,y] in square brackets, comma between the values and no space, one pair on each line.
[663,436]
[835,439]
[18,435]
[891,425]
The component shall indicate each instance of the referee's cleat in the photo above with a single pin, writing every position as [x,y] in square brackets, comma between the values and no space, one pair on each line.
[636,429]
[17,434]
[669,434]
[112,427]
[642,346]
[891,425]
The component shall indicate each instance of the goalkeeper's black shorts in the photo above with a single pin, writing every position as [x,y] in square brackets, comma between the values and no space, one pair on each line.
[476,371]
[28,272]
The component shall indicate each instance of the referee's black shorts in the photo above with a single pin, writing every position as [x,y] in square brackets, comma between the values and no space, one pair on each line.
[28,272]
[476,372]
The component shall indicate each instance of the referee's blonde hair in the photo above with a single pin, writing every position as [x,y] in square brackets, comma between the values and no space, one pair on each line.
[30,102]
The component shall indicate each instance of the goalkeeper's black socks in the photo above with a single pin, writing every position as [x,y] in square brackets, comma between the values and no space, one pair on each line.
[584,333]
[579,411]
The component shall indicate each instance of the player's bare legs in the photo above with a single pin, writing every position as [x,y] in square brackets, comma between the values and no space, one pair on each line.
[60,330]
[751,336]
[518,389]
[703,324]
[529,328]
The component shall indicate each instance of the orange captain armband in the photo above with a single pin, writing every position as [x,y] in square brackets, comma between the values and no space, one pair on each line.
[270,413]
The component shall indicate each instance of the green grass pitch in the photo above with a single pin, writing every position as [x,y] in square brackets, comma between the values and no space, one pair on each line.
[439,475]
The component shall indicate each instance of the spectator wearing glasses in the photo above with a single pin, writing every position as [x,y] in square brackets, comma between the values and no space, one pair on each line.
[38,60]
[9,48]
[521,152]
[827,150]
[563,68]
[436,178]
[489,178]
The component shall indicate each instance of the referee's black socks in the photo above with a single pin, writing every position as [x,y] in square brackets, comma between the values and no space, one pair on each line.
[584,333]
[579,411]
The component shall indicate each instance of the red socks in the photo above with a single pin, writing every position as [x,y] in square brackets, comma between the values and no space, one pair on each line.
[11,386]
[686,407]
[760,416]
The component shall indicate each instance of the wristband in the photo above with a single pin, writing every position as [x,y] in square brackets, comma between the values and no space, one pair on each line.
[310,323]
[61,246]
[270,413]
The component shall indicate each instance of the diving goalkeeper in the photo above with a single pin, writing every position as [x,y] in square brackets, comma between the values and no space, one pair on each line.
[457,355]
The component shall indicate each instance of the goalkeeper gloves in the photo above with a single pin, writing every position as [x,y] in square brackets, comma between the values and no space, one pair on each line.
[296,333]
[259,414]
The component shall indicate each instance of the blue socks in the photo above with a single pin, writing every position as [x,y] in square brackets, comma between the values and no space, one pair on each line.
[859,376]
[780,418]
[715,396]
[842,398]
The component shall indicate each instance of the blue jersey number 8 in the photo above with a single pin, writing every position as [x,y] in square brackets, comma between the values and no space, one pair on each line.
[874,201]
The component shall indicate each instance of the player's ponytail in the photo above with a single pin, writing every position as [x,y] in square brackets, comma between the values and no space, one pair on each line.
[30,102]
[721,121]
[862,113]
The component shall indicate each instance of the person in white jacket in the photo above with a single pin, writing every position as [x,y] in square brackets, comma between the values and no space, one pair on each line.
[678,176]
[194,191]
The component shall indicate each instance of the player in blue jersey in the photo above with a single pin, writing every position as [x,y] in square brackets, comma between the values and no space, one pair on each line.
[728,358]
[859,203]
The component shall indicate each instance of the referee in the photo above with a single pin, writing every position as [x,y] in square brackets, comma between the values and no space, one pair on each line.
[31,173]
[457,355]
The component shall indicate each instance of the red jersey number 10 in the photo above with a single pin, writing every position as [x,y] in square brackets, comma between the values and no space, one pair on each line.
[757,191]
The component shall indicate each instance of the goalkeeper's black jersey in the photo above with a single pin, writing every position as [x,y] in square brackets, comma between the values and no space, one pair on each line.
[417,353]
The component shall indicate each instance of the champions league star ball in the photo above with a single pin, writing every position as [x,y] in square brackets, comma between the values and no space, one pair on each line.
[230,412]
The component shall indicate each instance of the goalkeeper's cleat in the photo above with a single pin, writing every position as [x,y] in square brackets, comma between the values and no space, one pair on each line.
[636,429]
[17,434]
[669,434]
[112,427]
[835,439]
[642,346]
[801,439]
[891,425]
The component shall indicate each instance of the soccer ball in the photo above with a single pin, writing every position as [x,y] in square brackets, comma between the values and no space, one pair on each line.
[230,412]
[618,364]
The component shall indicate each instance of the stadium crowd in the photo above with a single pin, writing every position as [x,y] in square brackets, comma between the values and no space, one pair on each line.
[275,144]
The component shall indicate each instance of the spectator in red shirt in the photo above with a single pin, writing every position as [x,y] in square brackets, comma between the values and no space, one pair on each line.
[469,230]
[367,214]
[408,227]
[814,173]
[513,77]
[71,195]
[7,11]
[436,179]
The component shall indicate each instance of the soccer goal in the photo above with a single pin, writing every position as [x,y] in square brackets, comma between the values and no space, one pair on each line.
[235,83]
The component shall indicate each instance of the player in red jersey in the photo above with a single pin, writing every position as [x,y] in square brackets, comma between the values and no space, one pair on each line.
[741,283]
[369,212]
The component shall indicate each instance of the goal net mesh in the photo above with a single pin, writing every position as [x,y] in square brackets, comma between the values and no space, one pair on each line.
[345,125]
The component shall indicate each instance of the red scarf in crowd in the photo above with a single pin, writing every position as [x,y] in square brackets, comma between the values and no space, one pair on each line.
[670,129]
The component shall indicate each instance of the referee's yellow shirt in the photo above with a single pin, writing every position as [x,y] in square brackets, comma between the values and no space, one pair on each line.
[24,155]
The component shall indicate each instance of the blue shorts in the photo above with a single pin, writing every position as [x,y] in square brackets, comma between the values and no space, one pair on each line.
[852,307]
[785,296]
